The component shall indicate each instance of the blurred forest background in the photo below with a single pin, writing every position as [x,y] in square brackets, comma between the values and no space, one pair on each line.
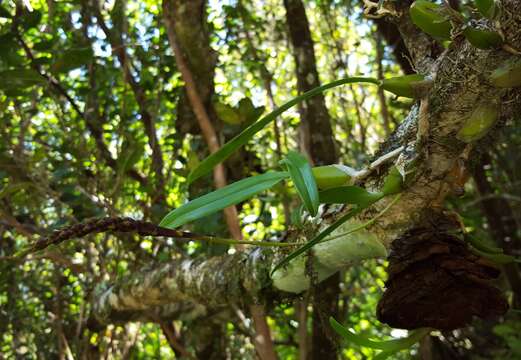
[96,120]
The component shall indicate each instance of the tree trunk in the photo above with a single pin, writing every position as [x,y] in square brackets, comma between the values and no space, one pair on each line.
[317,136]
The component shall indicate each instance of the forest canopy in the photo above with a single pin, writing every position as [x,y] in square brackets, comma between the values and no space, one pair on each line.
[260,179]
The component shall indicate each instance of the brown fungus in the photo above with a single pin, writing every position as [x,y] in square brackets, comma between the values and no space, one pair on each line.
[435,281]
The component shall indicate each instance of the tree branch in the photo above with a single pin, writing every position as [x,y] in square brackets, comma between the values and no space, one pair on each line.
[207,285]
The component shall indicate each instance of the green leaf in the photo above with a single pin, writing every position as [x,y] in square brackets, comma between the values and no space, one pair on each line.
[72,59]
[431,18]
[393,182]
[348,195]
[227,113]
[20,78]
[31,19]
[4,13]
[409,86]
[221,198]
[330,176]
[318,238]
[487,8]
[248,112]
[234,144]
[13,188]
[387,346]
[302,176]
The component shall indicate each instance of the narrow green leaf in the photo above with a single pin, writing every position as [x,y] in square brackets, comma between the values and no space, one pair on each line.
[387,346]
[230,147]
[385,355]
[317,238]
[300,171]
[348,195]
[221,198]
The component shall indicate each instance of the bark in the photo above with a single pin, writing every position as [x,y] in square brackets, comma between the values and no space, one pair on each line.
[193,287]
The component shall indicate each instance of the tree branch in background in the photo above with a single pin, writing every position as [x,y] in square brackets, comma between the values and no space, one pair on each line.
[264,344]
[502,223]
[380,75]
[315,121]
[392,37]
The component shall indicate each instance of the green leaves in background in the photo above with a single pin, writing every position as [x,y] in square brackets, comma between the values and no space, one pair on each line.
[389,346]
[4,13]
[226,113]
[30,19]
[248,112]
[221,198]
[72,59]
[349,195]
[302,176]
[20,78]
[230,147]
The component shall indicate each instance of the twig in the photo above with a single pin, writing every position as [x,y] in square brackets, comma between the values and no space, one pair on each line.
[359,175]
[125,224]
